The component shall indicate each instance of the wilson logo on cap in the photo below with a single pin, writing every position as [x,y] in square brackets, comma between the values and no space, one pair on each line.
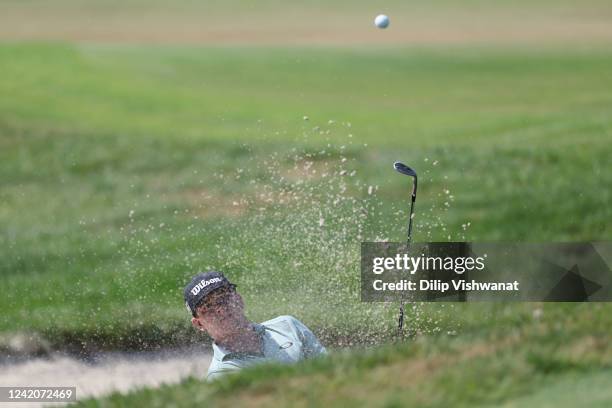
[202,284]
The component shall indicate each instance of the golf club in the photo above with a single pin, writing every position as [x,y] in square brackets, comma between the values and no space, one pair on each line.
[403,169]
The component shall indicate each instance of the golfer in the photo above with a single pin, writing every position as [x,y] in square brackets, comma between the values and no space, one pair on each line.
[218,309]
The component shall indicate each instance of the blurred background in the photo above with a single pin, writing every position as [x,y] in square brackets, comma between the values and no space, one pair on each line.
[144,141]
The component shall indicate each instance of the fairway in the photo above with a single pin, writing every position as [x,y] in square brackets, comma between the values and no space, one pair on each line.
[133,177]
[131,159]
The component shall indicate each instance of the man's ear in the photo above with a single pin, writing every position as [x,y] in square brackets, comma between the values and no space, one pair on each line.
[197,324]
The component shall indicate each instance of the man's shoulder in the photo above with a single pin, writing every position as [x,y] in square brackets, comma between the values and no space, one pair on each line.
[282,322]
[291,327]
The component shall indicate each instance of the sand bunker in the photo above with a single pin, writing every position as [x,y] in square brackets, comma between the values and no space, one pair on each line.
[108,372]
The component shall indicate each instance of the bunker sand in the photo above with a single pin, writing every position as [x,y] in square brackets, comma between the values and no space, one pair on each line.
[107,373]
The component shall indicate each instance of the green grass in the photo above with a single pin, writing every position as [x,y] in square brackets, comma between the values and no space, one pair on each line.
[398,96]
[125,169]
[187,139]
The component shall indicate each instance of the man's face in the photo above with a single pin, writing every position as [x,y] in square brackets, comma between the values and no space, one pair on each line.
[220,313]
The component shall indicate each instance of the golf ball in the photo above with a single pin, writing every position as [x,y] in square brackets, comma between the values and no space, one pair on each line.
[381,21]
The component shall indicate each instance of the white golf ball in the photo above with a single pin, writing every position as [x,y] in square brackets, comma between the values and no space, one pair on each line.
[381,21]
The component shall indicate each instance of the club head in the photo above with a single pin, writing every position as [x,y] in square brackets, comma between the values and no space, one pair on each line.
[402,168]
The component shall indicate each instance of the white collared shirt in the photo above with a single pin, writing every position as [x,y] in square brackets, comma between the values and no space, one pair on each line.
[284,340]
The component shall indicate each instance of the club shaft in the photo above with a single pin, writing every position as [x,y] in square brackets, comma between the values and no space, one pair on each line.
[410,220]
[400,319]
